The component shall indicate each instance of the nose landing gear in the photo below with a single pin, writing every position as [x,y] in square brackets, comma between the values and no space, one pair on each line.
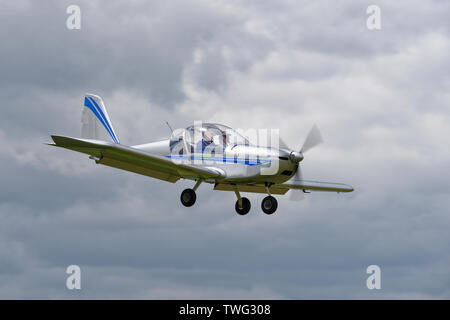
[244,208]
[242,204]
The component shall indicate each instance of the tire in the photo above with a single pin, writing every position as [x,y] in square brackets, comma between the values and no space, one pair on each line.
[188,197]
[245,206]
[269,205]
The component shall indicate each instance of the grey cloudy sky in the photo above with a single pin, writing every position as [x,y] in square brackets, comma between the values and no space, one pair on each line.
[381,99]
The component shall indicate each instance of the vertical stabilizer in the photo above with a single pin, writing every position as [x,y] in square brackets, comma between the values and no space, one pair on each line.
[95,120]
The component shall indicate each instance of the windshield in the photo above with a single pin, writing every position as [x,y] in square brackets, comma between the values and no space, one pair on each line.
[210,138]
[213,133]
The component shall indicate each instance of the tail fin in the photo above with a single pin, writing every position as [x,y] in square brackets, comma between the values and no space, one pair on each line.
[95,120]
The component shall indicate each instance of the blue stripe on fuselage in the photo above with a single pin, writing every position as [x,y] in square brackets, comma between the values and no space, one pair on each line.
[246,161]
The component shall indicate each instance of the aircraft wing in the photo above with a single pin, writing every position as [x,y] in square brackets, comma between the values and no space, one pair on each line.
[134,160]
[315,185]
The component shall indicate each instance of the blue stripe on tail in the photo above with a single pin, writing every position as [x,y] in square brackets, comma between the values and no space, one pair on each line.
[101,118]
[113,135]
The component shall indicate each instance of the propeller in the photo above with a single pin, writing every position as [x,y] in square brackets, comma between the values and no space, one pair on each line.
[313,139]
[297,195]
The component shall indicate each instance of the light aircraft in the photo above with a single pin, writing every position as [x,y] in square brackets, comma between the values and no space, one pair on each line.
[205,153]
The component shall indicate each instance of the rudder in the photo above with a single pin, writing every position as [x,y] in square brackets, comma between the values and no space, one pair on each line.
[95,120]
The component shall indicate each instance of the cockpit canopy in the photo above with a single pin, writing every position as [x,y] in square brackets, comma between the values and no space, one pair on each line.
[205,135]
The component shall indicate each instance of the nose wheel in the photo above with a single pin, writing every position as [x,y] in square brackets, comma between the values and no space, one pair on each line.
[269,205]
[188,197]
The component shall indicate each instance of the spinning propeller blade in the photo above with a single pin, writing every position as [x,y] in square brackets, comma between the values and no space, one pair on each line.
[282,144]
[313,139]
[297,195]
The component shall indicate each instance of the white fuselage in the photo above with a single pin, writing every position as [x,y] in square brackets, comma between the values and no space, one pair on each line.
[241,163]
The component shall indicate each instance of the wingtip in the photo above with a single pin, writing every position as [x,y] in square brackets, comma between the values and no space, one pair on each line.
[53,138]
[51,144]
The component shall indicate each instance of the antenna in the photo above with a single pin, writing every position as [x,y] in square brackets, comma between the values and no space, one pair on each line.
[167,122]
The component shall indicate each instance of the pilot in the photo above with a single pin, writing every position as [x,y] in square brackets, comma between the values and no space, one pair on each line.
[205,142]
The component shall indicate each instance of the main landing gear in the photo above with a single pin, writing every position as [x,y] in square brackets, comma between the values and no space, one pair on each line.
[188,196]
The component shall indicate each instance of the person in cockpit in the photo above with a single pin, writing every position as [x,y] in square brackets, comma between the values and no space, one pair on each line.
[207,139]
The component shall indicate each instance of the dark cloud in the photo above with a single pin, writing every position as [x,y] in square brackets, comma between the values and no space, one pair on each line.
[142,47]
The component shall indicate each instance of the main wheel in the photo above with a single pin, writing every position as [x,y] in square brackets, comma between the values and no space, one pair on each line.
[245,206]
[269,205]
[188,197]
